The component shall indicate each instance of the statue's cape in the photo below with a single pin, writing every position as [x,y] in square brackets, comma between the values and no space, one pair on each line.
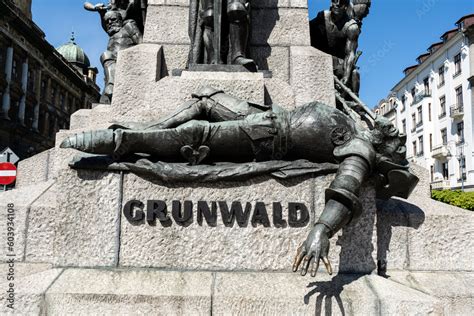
[224,171]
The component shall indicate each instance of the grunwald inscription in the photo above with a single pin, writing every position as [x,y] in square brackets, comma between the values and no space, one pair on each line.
[184,213]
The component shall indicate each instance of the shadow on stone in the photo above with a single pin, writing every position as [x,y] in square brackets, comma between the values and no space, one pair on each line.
[393,213]
[330,291]
[260,30]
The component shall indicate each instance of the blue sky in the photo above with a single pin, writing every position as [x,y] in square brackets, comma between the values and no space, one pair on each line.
[394,34]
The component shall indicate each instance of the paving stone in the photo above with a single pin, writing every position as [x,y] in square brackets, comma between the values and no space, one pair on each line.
[102,292]
[34,170]
[40,233]
[278,293]
[454,289]
[87,213]
[21,200]
[30,283]
[423,234]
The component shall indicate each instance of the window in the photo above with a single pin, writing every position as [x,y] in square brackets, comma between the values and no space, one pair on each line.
[429,112]
[404,102]
[69,105]
[442,104]
[431,142]
[61,101]
[445,167]
[52,125]
[43,88]
[426,85]
[2,60]
[457,64]
[413,122]
[414,148]
[53,94]
[432,173]
[441,76]
[420,115]
[404,127]
[460,128]
[14,70]
[444,136]
[413,93]
[421,146]
[31,80]
[459,98]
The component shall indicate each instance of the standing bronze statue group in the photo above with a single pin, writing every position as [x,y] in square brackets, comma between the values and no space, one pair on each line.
[215,131]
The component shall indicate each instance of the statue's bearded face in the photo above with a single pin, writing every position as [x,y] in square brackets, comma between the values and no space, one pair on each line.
[361,11]
[389,142]
[114,23]
[339,7]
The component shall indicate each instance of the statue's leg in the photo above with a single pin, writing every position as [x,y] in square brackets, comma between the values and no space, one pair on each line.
[210,105]
[224,141]
[238,16]
[207,18]
[108,62]
[236,141]
[191,110]
[355,81]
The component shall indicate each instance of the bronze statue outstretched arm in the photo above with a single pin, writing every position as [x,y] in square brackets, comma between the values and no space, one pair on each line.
[99,8]
[342,206]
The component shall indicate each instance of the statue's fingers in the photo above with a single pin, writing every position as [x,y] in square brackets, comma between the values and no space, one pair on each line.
[327,264]
[298,258]
[315,266]
[305,265]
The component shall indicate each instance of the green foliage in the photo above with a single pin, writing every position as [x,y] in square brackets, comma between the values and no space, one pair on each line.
[460,199]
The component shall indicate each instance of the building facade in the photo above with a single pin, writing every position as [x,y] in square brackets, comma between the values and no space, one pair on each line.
[433,106]
[39,88]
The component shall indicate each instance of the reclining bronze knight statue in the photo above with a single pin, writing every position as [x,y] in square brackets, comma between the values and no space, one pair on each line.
[215,137]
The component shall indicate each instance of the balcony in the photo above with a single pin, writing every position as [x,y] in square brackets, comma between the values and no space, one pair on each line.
[457,111]
[420,96]
[440,152]
[441,185]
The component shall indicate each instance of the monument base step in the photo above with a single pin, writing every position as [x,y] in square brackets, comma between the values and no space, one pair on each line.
[40,289]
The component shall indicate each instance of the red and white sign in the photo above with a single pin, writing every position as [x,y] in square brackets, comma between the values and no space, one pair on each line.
[7,173]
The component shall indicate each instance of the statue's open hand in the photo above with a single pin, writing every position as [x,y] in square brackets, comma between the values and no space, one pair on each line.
[315,248]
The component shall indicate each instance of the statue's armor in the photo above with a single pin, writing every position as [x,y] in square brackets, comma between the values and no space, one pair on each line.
[329,37]
[128,36]
[236,15]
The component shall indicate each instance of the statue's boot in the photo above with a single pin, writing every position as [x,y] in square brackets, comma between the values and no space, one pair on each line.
[96,142]
[238,32]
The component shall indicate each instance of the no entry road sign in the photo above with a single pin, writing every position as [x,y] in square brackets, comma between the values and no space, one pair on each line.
[7,173]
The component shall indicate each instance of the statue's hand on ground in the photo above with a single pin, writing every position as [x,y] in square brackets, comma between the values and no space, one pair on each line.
[314,249]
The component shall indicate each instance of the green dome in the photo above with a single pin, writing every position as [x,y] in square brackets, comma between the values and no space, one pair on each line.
[74,54]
